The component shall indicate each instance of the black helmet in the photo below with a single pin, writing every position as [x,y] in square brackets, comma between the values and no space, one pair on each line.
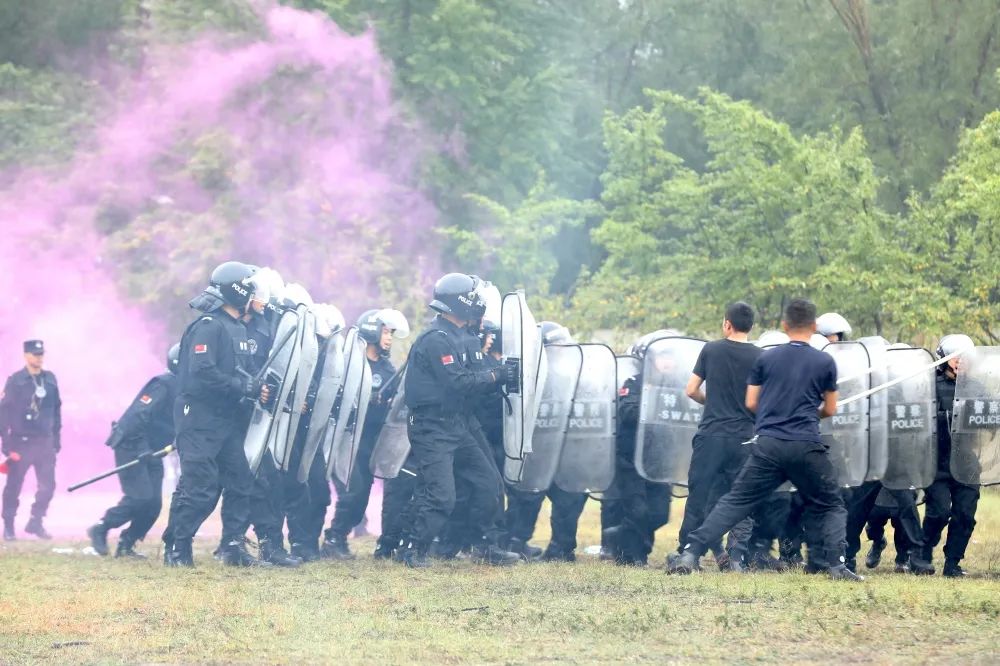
[373,322]
[232,281]
[369,327]
[554,334]
[491,328]
[458,294]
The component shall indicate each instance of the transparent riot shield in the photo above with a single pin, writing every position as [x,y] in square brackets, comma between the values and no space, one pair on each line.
[393,443]
[355,428]
[355,363]
[298,402]
[331,379]
[912,421]
[587,463]
[277,437]
[878,408]
[534,473]
[668,419]
[846,432]
[280,371]
[523,342]
[975,424]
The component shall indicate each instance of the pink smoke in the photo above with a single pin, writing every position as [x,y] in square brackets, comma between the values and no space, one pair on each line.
[319,179]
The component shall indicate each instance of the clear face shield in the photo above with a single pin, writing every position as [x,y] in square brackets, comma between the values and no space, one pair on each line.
[265,284]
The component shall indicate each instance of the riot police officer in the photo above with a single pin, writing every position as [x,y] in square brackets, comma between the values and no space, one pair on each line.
[211,416]
[438,383]
[949,503]
[30,426]
[377,328]
[145,427]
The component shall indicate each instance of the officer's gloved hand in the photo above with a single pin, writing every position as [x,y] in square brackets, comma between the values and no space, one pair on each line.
[509,375]
[252,388]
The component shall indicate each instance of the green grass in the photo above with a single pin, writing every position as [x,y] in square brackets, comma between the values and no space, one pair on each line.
[72,609]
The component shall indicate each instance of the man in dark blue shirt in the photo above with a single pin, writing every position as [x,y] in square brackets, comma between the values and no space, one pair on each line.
[790,388]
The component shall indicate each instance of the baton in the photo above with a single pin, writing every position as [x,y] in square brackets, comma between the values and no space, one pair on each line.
[890,384]
[156,454]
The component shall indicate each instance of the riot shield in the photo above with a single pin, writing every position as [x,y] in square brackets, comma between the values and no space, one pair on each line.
[308,356]
[280,372]
[587,463]
[393,443]
[975,424]
[878,408]
[534,473]
[494,302]
[355,363]
[331,379]
[355,427]
[668,419]
[846,432]
[523,342]
[912,420]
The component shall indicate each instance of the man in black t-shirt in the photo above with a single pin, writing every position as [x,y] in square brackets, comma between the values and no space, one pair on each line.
[725,425]
[790,388]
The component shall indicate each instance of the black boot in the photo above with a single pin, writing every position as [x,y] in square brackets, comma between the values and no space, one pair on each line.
[126,548]
[8,531]
[180,554]
[414,557]
[35,527]
[764,561]
[875,554]
[952,569]
[525,550]
[685,564]
[168,545]
[305,552]
[235,554]
[494,555]
[335,548]
[918,565]
[277,555]
[98,535]
[554,553]
[384,550]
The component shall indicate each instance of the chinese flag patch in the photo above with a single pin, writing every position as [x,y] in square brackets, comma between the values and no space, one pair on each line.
[200,349]
[447,360]
[145,400]
[622,392]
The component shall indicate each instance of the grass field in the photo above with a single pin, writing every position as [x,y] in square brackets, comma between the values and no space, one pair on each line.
[70,609]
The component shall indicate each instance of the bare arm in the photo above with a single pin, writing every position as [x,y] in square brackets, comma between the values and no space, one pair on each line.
[753,397]
[694,391]
[829,406]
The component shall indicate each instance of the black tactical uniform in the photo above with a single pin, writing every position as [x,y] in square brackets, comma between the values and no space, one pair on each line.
[30,427]
[145,427]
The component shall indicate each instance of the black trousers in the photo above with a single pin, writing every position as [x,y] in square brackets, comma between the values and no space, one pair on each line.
[523,509]
[772,462]
[875,531]
[267,513]
[769,521]
[38,453]
[715,463]
[212,459]
[397,516]
[860,504]
[444,452]
[644,508]
[142,496]
[462,531]
[950,504]
[306,503]
[352,499]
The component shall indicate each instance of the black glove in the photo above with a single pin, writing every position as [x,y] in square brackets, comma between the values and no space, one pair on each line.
[251,387]
[509,375]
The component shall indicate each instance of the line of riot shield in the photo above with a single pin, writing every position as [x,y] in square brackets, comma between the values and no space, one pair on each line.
[279,376]
[355,363]
[355,428]
[668,418]
[534,473]
[393,444]
[587,463]
[626,367]
[331,379]
[975,423]
[846,432]
[522,341]
[878,408]
[912,422]
[298,401]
